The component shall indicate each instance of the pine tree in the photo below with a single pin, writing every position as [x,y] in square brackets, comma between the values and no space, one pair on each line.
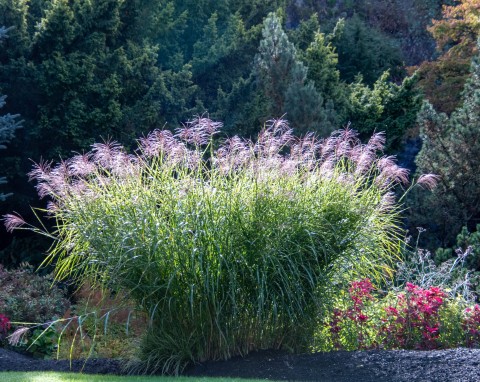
[282,78]
[305,33]
[451,149]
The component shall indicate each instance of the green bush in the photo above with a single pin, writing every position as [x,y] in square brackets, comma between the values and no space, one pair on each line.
[408,318]
[228,248]
[28,297]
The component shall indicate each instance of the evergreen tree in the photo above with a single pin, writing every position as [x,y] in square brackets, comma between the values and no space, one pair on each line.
[305,33]
[321,59]
[8,122]
[85,76]
[366,51]
[451,149]
[282,78]
[384,107]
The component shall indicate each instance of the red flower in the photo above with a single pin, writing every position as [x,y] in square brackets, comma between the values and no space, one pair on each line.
[391,311]
[4,324]
[362,318]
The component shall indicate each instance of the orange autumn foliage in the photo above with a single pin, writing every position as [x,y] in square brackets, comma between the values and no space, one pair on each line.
[456,34]
[459,26]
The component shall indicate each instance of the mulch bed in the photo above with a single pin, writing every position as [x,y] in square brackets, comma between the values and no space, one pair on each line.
[459,365]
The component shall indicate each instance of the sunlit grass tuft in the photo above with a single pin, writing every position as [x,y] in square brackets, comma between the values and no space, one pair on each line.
[227,249]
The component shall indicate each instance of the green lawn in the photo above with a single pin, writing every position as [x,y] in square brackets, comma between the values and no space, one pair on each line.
[74,377]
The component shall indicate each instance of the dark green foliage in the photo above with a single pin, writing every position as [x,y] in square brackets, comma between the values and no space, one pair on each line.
[222,56]
[42,343]
[77,72]
[282,78]
[405,21]
[305,33]
[385,107]
[465,239]
[86,81]
[8,123]
[451,149]
[366,51]
[243,108]
[322,61]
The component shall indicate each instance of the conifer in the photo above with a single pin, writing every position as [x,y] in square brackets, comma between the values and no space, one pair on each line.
[451,149]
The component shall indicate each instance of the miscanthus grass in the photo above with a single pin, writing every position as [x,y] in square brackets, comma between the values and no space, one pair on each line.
[227,248]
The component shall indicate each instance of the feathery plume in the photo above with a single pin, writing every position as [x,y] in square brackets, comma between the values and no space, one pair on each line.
[105,153]
[80,165]
[428,181]
[16,336]
[13,221]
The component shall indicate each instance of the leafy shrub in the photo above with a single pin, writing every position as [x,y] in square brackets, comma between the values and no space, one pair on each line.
[28,297]
[414,318]
[41,343]
[227,249]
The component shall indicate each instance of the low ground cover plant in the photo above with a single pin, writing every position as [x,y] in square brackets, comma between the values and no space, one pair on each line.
[28,299]
[26,296]
[227,246]
[413,318]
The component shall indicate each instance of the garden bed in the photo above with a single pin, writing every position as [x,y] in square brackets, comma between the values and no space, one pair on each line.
[373,365]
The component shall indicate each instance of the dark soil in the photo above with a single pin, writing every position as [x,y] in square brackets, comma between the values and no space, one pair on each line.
[459,365]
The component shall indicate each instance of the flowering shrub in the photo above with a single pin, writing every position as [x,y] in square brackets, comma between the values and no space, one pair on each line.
[415,321]
[415,318]
[4,326]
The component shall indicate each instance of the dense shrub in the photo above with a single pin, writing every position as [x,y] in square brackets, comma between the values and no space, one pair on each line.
[26,296]
[413,318]
[227,248]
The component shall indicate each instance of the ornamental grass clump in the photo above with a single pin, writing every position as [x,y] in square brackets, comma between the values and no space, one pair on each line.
[227,247]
